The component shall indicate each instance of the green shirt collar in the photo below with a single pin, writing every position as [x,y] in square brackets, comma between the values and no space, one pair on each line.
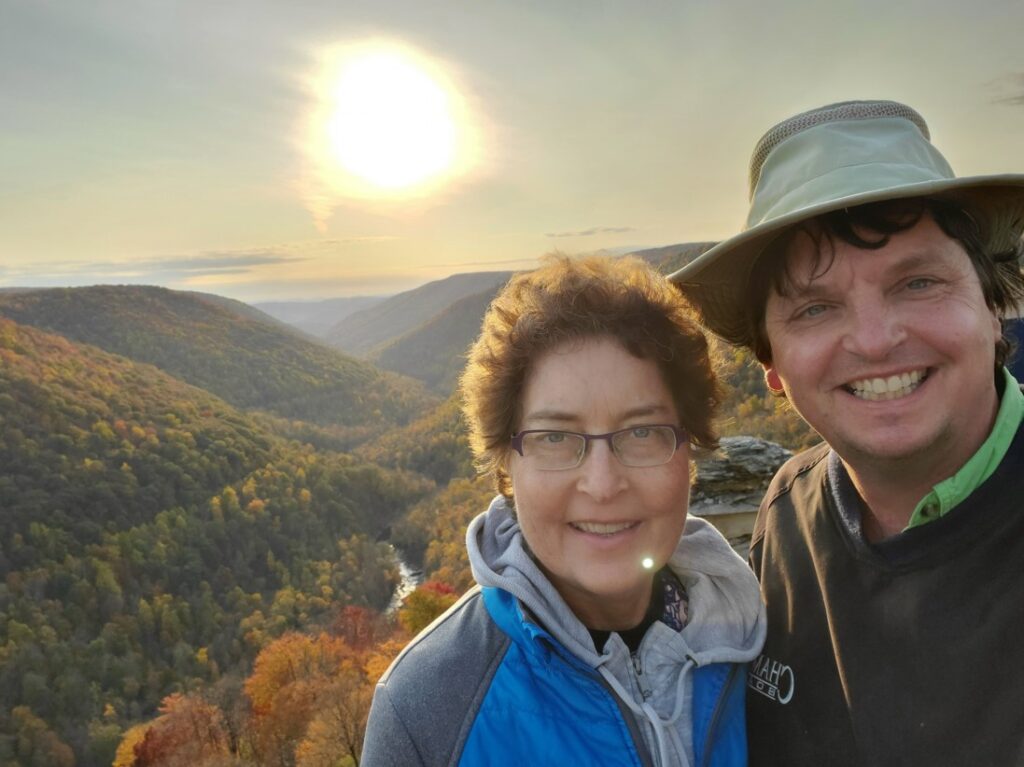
[949,492]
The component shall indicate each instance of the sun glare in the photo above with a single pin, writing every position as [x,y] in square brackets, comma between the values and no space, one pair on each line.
[389,124]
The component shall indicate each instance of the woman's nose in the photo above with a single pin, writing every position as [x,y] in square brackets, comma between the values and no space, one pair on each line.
[602,475]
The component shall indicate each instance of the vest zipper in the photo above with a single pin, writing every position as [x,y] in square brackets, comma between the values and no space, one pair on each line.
[717,714]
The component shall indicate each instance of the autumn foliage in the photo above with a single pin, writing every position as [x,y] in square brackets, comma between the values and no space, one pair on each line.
[307,698]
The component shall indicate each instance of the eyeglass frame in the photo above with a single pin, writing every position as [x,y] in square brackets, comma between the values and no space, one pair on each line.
[680,434]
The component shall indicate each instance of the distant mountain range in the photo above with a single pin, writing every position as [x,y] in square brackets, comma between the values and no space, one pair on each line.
[228,348]
[360,333]
[317,317]
[424,333]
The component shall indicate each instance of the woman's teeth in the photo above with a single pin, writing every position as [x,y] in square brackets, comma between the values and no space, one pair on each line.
[602,528]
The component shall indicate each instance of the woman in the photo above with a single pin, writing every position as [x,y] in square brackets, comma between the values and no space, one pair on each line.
[606,627]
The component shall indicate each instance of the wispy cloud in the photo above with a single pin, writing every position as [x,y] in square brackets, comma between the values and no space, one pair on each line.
[210,263]
[1008,89]
[158,270]
[592,231]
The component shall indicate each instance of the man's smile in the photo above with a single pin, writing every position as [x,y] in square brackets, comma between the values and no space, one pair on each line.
[890,387]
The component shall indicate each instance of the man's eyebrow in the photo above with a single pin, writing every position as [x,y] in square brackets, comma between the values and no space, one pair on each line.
[802,290]
[917,260]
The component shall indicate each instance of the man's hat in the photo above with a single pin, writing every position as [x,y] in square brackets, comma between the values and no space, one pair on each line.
[834,157]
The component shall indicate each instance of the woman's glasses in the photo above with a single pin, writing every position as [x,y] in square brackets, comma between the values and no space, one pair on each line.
[636,446]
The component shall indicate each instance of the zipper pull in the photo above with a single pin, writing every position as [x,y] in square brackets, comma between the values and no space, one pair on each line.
[645,687]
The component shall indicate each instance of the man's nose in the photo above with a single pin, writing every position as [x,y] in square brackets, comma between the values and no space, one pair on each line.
[874,330]
[602,475]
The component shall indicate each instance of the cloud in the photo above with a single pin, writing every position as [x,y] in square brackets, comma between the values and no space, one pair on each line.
[592,231]
[154,270]
[1009,89]
[222,261]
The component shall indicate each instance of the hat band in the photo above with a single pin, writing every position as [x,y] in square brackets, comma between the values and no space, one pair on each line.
[831,162]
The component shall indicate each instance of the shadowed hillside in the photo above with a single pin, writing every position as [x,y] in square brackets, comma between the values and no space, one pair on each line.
[245,357]
[359,333]
[435,351]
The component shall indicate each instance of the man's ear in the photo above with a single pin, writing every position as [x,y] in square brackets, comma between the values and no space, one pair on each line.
[772,381]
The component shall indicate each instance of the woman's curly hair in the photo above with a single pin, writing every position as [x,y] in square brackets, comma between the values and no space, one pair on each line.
[573,300]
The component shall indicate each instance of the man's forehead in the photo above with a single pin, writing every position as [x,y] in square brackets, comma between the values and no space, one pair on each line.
[811,254]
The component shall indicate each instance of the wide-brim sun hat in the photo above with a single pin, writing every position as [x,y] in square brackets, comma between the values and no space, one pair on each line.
[834,157]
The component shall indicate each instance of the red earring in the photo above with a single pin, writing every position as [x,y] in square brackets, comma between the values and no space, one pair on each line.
[774,383]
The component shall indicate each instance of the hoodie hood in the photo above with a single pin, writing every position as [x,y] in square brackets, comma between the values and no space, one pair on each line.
[726,617]
[498,557]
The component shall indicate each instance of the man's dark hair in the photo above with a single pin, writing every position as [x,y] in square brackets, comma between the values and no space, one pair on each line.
[870,227]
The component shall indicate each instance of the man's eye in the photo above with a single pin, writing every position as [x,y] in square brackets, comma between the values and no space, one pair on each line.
[920,283]
[814,310]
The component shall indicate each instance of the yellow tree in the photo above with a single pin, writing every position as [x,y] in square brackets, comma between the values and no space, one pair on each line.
[424,604]
[297,679]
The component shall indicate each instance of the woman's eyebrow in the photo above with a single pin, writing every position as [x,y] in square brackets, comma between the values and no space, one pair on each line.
[558,416]
[561,416]
[652,409]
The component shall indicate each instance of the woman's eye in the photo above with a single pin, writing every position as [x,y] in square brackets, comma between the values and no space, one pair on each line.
[641,432]
[553,437]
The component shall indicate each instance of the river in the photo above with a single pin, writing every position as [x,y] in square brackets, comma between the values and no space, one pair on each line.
[409,580]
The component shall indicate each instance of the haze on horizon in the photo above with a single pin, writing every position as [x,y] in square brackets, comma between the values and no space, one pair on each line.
[208,147]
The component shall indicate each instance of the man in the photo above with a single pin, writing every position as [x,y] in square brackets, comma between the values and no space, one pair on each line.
[871,283]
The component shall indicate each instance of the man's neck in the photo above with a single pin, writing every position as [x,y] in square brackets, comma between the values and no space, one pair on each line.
[888,502]
[892,488]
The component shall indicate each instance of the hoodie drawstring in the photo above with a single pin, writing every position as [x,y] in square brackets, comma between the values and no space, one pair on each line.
[663,728]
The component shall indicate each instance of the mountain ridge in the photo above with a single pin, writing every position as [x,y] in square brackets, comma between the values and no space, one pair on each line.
[228,348]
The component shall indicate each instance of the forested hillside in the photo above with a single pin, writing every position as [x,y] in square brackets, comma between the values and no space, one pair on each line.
[361,332]
[436,445]
[435,352]
[155,539]
[246,358]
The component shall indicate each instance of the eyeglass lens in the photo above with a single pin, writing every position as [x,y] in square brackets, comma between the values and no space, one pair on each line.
[636,446]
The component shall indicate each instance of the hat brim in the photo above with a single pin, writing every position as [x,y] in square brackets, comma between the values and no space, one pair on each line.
[716,281]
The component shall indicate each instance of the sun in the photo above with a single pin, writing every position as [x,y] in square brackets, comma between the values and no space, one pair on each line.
[388,123]
[392,123]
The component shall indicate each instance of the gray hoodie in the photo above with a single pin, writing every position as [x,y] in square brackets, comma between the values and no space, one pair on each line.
[726,623]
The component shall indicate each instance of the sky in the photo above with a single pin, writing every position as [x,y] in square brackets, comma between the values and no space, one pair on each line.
[196,144]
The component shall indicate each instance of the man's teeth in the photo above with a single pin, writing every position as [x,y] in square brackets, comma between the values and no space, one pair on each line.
[602,528]
[892,387]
